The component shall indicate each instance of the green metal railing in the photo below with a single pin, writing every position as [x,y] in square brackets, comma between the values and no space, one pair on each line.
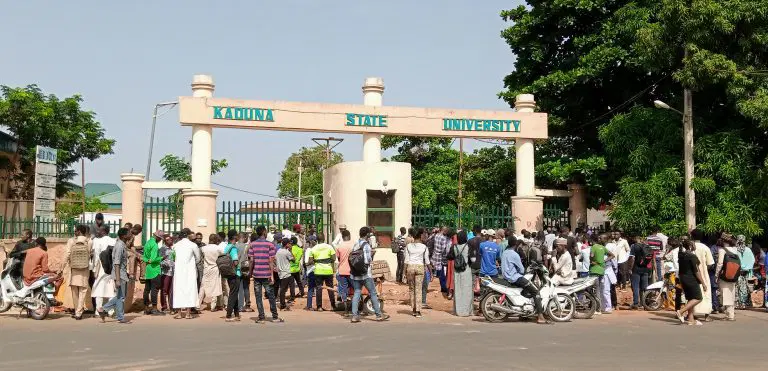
[556,214]
[241,215]
[49,228]
[162,213]
[448,216]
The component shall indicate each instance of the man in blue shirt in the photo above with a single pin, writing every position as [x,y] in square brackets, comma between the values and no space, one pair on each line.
[490,253]
[513,271]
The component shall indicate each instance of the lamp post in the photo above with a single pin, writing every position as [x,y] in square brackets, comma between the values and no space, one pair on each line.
[152,133]
[690,194]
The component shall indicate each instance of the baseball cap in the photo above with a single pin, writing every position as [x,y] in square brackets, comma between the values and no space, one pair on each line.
[342,226]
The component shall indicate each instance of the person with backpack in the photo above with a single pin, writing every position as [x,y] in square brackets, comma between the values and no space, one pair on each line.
[103,284]
[727,273]
[462,276]
[233,280]
[360,260]
[78,253]
[640,258]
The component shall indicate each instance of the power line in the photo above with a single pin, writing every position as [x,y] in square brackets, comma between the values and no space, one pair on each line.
[245,191]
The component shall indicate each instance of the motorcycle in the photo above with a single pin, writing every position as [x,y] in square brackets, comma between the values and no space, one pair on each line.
[581,290]
[657,293]
[503,300]
[37,298]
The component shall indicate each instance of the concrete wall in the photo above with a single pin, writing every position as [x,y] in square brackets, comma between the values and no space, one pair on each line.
[345,185]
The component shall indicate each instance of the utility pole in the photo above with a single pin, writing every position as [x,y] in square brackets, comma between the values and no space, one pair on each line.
[82,184]
[328,147]
[298,216]
[690,194]
[461,173]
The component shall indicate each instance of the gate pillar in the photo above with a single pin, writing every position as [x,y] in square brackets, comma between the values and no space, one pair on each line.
[527,208]
[132,198]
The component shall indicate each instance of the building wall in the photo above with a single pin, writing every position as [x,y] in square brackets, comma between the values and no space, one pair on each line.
[345,186]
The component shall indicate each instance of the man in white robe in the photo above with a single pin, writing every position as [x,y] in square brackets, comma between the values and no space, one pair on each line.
[186,256]
[704,254]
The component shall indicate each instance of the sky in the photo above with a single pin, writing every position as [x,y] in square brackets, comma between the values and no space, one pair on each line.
[124,57]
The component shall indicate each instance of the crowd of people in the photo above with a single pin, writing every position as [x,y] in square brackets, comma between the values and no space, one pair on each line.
[704,276]
[182,275]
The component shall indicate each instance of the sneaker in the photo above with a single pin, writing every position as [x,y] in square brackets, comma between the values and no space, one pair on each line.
[382,317]
[355,319]
[277,320]
[156,312]
[418,315]
[260,321]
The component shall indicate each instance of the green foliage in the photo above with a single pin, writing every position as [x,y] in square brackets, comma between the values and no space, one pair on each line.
[34,118]
[313,162]
[595,66]
[72,206]
[177,169]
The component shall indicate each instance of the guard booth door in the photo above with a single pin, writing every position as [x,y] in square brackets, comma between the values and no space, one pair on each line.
[381,215]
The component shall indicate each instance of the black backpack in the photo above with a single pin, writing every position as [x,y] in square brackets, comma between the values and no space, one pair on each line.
[357,265]
[459,263]
[105,257]
[646,260]
[731,267]
[225,264]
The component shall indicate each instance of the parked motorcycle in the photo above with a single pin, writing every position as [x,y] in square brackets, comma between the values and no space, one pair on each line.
[582,292]
[37,298]
[656,294]
[504,300]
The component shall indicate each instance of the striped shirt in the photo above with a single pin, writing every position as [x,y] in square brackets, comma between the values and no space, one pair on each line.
[260,252]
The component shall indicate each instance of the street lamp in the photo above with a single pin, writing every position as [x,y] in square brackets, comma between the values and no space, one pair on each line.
[690,194]
[152,134]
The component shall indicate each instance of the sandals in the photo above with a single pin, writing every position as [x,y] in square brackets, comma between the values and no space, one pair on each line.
[680,317]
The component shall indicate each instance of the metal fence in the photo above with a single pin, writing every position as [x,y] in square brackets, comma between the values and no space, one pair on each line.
[162,213]
[448,216]
[556,215]
[241,215]
[49,228]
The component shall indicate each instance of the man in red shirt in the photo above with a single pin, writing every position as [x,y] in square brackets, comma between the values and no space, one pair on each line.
[36,264]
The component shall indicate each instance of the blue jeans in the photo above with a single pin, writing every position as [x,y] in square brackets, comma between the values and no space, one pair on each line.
[440,273]
[118,302]
[659,265]
[358,285]
[425,286]
[310,289]
[639,283]
[345,282]
[258,283]
[715,299]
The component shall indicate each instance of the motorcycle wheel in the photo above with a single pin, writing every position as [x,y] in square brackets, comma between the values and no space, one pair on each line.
[368,306]
[652,300]
[485,307]
[43,307]
[562,312]
[5,305]
[586,306]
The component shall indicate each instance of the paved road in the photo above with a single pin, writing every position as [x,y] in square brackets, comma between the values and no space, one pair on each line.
[323,341]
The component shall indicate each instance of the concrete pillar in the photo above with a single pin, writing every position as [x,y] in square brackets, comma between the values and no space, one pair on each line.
[202,138]
[373,93]
[132,198]
[200,200]
[577,203]
[527,208]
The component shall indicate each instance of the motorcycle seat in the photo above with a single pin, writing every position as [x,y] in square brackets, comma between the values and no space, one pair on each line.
[502,281]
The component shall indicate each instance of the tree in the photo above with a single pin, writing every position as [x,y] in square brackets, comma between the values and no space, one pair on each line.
[313,162]
[34,118]
[597,75]
[177,169]
[72,206]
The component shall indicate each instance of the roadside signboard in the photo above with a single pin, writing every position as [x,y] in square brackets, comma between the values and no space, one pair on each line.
[45,183]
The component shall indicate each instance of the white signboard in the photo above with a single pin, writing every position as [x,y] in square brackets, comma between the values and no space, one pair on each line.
[45,169]
[45,193]
[45,183]
[45,205]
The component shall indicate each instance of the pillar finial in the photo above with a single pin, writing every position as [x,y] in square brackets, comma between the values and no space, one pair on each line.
[373,84]
[525,103]
[202,86]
